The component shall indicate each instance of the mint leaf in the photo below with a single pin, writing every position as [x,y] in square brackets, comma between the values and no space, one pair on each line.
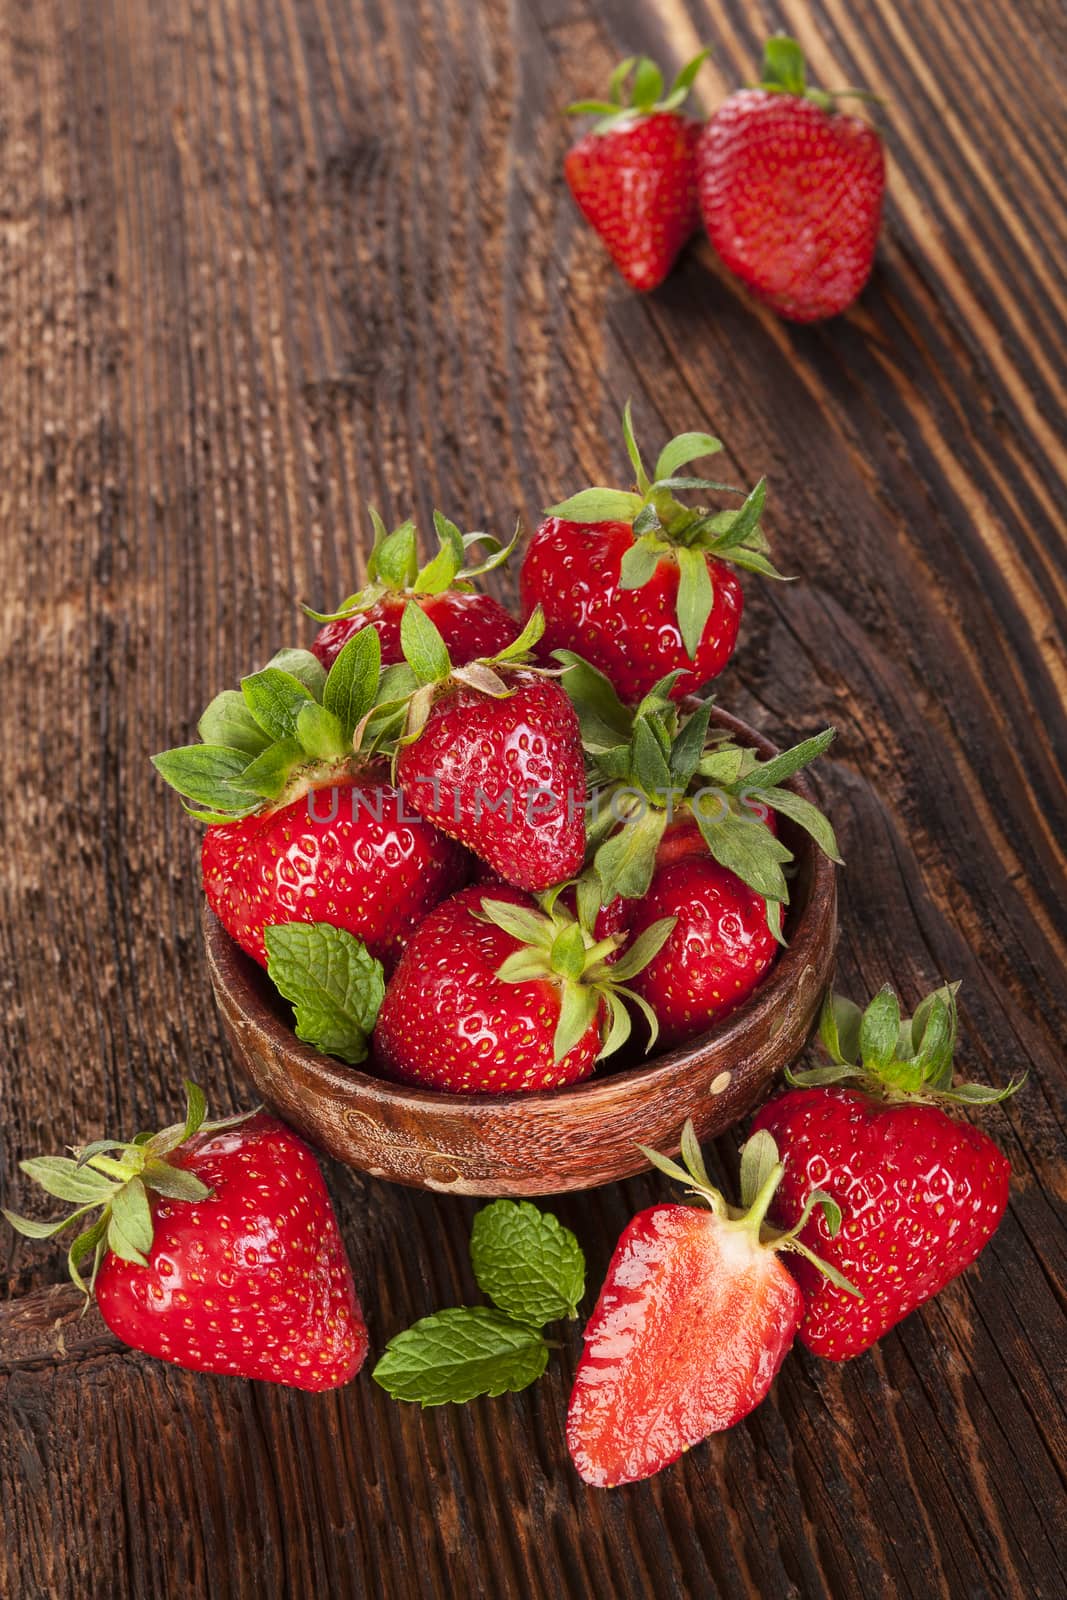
[459,1354]
[334,984]
[527,1262]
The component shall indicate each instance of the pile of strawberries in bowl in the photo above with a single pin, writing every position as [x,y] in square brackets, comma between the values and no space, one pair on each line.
[482,854]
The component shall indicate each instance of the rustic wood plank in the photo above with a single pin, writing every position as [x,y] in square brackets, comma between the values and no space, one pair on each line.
[266,261]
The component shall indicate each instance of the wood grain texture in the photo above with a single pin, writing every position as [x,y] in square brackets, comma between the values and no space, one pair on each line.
[263,262]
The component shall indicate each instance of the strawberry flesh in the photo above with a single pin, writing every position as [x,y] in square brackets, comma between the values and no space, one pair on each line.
[251,1281]
[791,196]
[920,1196]
[449,1023]
[348,854]
[471,624]
[572,570]
[691,1326]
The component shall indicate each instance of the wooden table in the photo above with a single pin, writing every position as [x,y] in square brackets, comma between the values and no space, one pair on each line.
[265,262]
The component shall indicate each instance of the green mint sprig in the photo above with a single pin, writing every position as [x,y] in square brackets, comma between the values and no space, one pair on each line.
[334,984]
[534,1270]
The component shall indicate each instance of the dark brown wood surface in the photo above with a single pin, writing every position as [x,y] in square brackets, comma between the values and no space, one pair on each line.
[263,262]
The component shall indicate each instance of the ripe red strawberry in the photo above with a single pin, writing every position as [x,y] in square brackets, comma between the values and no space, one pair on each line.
[495,995]
[492,755]
[302,829]
[472,624]
[685,824]
[921,1194]
[791,190]
[217,1249]
[720,948]
[350,855]
[641,585]
[695,1317]
[633,175]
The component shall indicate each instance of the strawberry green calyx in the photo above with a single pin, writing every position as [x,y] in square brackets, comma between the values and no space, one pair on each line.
[655,764]
[408,691]
[785,71]
[895,1058]
[288,729]
[561,947]
[761,1173]
[393,566]
[643,96]
[115,1178]
[663,525]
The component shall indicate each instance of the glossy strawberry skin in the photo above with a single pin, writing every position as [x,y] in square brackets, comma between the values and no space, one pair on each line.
[523,751]
[636,185]
[920,1196]
[791,196]
[253,1281]
[448,1023]
[719,950]
[471,624]
[691,1326]
[572,570]
[328,858]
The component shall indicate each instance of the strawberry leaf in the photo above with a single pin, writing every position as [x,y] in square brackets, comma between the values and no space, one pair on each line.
[579,1004]
[275,698]
[880,1030]
[210,774]
[598,505]
[626,861]
[527,1262]
[605,722]
[839,1029]
[696,597]
[687,446]
[335,986]
[319,732]
[352,683]
[66,1180]
[804,814]
[461,1353]
[424,649]
[304,666]
[227,721]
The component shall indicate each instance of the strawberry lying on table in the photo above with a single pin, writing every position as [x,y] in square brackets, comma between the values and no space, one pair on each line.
[216,1248]
[791,189]
[633,175]
[640,584]
[921,1193]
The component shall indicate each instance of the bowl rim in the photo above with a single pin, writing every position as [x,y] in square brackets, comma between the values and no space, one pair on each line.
[240,976]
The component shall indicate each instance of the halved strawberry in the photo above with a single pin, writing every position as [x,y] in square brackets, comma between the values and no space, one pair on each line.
[216,1248]
[472,624]
[695,1317]
[641,585]
[633,175]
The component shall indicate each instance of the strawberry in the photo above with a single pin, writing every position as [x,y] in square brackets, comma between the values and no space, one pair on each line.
[497,995]
[472,624]
[301,828]
[696,1315]
[921,1194]
[349,854]
[491,753]
[720,948]
[791,190]
[680,806]
[633,175]
[641,585]
[216,1248]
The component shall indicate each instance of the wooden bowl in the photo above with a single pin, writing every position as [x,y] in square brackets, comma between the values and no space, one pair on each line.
[562,1139]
